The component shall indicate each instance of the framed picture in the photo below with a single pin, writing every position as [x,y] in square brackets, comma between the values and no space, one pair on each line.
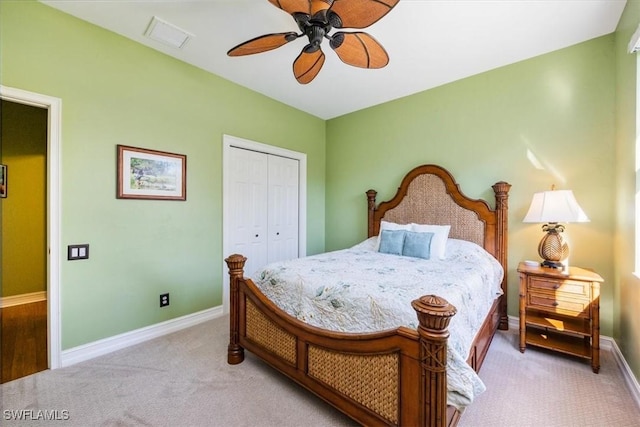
[149,174]
[3,180]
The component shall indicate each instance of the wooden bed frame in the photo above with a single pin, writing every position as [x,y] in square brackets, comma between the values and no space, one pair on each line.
[394,377]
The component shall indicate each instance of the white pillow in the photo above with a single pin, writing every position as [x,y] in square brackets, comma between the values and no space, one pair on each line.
[384,225]
[439,240]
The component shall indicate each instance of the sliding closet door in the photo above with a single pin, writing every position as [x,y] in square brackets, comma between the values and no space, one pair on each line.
[248,207]
[283,208]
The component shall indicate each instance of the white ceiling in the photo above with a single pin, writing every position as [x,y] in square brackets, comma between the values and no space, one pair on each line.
[430,42]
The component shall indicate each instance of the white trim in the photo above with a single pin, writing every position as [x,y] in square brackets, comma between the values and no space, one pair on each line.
[228,142]
[514,322]
[54,144]
[29,298]
[629,377]
[118,342]
[607,344]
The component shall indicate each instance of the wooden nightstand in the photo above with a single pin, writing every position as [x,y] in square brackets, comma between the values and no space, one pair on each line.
[560,310]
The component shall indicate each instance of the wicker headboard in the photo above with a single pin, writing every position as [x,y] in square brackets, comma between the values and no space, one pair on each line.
[430,195]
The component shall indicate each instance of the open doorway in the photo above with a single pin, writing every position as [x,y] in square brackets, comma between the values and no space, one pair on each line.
[47,299]
[23,238]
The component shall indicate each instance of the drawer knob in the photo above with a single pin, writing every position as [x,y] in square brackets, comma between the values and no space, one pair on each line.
[556,286]
[555,303]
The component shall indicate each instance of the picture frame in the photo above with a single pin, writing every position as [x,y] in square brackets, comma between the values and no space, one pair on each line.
[150,174]
[3,181]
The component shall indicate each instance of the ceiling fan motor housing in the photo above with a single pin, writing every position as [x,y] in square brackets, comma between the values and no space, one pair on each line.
[315,33]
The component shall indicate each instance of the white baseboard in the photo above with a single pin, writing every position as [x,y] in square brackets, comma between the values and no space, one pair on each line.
[629,378]
[606,344]
[107,345]
[23,299]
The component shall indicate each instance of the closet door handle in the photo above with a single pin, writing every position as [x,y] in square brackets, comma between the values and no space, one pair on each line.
[256,235]
[278,233]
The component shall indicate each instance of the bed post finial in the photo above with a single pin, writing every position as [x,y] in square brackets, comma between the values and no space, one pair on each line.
[235,353]
[501,190]
[371,198]
[434,315]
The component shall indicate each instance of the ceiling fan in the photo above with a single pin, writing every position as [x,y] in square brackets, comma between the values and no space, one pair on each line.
[315,19]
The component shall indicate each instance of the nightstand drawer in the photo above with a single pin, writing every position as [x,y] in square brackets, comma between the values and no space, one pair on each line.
[566,286]
[569,306]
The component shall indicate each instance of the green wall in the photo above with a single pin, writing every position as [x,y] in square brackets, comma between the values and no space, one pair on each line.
[558,107]
[627,284]
[115,91]
[23,145]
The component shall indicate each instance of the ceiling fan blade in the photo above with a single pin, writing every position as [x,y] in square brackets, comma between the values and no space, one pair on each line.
[262,44]
[292,6]
[308,64]
[359,49]
[318,6]
[358,13]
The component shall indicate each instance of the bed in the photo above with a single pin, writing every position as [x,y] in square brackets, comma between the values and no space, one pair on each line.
[393,376]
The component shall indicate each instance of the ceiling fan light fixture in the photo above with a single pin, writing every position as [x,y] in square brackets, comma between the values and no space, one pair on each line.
[334,20]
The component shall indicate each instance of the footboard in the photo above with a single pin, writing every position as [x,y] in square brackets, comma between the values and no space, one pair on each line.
[394,377]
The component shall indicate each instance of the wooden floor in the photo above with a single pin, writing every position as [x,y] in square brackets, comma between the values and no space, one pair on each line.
[23,340]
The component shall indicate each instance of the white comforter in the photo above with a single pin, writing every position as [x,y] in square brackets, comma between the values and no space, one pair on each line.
[361,290]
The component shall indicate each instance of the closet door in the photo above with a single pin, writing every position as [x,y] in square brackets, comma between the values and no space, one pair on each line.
[283,208]
[248,179]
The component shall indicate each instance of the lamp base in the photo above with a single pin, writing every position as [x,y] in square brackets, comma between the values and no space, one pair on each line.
[552,248]
[552,264]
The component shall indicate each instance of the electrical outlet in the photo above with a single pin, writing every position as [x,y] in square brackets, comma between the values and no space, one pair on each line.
[164,300]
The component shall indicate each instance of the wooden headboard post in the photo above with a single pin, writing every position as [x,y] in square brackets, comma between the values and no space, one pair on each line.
[371,197]
[501,190]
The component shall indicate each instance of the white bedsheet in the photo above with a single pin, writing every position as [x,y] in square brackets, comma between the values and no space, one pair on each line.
[361,290]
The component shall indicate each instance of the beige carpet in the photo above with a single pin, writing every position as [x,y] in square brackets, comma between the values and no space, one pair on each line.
[183,380]
[541,388]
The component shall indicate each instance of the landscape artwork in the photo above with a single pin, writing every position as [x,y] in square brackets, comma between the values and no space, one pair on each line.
[150,174]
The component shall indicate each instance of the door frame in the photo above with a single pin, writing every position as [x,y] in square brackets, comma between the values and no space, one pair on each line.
[229,142]
[54,137]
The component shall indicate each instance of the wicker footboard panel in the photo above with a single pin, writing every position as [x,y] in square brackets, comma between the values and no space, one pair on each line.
[369,380]
[268,335]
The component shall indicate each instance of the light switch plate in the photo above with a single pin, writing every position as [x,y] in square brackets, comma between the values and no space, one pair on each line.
[75,252]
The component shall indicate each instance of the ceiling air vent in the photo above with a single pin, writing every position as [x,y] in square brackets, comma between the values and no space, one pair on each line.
[166,33]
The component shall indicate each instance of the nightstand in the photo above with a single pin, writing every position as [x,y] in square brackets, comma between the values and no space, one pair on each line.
[560,311]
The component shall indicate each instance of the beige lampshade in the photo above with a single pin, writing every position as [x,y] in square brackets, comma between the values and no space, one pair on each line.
[555,206]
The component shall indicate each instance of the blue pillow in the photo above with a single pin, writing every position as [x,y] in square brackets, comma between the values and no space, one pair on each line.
[392,241]
[417,245]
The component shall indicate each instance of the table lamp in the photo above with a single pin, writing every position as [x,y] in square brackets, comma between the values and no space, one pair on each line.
[553,207]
